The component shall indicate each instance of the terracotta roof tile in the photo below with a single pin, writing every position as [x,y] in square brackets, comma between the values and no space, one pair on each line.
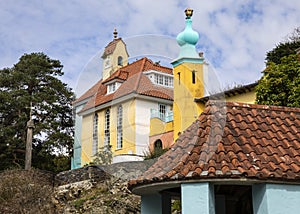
[252,144]
[89,93]
[135,81]
[109,49]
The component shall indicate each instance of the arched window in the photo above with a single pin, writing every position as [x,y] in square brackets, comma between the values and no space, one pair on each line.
[95,135]
[158,144]
[120,60]
[106,128]
[119,128]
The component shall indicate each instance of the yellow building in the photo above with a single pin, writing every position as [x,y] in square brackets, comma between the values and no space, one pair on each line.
[116,111]
[143,105]
[189,71]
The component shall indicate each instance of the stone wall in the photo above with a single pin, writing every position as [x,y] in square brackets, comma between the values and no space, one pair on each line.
[69,185]
[95,173]
[128,170]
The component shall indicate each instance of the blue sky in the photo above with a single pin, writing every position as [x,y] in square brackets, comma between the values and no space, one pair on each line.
[234,35]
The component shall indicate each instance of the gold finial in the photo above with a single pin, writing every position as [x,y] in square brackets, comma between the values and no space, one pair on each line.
[188,12]
[115,34]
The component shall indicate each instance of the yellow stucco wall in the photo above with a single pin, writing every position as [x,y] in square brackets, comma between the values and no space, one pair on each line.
[128,125]
[86,139]
[158,126]
[129,128]
[185,109]
[120,50]
[248,97]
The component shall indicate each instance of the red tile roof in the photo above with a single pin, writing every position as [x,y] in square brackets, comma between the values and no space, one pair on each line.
[89,93]
[109,49]
[135,81]
[233,140]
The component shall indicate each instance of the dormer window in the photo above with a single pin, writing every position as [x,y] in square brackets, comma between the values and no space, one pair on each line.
[112,87]
[160,78]
[163,80]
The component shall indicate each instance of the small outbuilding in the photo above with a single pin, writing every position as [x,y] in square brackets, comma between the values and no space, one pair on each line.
[235,158]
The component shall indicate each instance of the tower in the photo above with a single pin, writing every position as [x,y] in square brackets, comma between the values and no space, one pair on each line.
[188,78]
[115,56]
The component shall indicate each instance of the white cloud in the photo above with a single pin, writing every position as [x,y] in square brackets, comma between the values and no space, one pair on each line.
[235,35]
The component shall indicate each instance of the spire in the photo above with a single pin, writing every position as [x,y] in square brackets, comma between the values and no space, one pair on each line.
[115,34]
[188,38]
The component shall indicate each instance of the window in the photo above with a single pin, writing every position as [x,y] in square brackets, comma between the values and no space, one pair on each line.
[163,80]
[167,83]
[158,144]
[107,62]
[106,128]
[120,61]
[95,135]
[162,111]
[113,87]
[160,79]
[119,128]
[193,77]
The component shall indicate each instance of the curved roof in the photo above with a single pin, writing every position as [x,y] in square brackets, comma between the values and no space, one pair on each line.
[233,140]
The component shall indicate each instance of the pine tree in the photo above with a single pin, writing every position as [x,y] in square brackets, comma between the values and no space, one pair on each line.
[34,81]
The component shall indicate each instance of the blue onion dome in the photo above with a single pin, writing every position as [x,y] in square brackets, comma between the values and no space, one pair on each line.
[188,36]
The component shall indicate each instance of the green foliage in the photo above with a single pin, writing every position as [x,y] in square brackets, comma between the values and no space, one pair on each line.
[78,203]
[281,50]
[154,153]
[280,84]
[176,206]
[34,80]
[286,48]
[103,156]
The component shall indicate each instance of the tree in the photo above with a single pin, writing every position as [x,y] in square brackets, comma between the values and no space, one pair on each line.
[281,50]
[280,83]
[34,81]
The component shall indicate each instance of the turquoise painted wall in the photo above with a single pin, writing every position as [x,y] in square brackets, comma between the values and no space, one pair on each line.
[276,199]
[197,198]
[76,159]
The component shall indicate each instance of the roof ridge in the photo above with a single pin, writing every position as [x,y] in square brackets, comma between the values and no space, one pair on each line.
[253,106]
[89,93]
[139,75]
[227,93]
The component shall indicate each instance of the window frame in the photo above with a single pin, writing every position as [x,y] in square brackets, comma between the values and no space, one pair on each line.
[95,135]
[107,127]
[120,127]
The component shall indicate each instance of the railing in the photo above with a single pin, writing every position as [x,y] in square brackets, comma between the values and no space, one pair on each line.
[166,117]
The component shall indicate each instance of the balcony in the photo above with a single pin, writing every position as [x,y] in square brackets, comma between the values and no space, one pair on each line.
[165,117]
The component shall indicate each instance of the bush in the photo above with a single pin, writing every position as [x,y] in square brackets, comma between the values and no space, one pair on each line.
[26,192]
[156,152]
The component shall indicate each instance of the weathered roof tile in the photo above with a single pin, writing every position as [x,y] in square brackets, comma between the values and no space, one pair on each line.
[256,141]
[135,81]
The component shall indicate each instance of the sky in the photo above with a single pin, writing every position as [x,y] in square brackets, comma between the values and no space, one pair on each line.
[234,35]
